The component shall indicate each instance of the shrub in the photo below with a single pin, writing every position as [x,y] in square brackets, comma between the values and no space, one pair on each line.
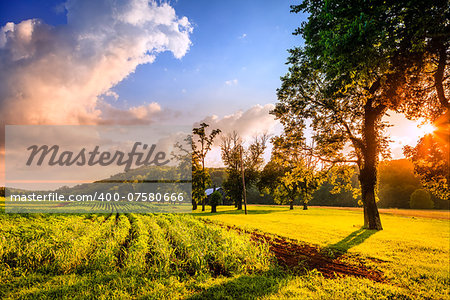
[216,197]
[421,199]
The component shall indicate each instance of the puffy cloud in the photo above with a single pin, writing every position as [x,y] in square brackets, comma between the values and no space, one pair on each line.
[247,123]
[56,75]
[135,115]
[59,74]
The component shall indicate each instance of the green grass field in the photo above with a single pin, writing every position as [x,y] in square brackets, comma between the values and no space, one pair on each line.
[182,257]
[414,249]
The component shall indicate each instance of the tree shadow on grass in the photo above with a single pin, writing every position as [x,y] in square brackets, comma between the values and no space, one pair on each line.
[353,239]
[81,287]
[245,287]
[117,285]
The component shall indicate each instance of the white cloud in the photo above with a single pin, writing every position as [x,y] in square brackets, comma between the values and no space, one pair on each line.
[231,82]
[255,120]
[142,114]
[56,75]
[112,94]
[59,74]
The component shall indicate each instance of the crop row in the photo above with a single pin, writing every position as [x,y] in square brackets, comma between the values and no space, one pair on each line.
[148,245]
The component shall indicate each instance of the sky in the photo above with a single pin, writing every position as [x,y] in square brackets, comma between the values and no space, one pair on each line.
[143,62]
[235,59]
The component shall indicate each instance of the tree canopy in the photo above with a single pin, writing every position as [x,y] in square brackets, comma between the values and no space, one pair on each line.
[356,63]
[252,161]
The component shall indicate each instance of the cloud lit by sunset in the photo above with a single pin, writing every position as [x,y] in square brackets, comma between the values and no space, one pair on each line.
[58,74]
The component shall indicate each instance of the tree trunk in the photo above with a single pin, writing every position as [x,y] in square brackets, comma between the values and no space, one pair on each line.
[213,208]
[371,216]
[291,205]
[305,206]
[203,201]
[194,204]
[368,171]
[239,204]
[203,180]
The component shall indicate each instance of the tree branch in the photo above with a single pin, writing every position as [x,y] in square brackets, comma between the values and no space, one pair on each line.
[439,75]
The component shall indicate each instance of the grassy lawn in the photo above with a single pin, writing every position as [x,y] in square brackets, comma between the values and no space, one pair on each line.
[137,256]
[415,249]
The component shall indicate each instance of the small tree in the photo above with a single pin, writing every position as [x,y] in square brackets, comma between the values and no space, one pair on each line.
[200,178]
[421,199]
[187,162]
[215,200]
[252,161]
[200,148]
[293,172]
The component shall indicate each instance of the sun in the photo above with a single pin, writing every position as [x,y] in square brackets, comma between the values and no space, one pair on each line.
[424,129]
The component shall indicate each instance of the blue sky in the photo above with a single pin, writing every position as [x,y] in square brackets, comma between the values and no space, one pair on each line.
[239,42]
[236,59]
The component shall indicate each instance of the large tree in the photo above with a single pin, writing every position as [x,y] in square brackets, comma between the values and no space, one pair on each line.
[428,91]
[353,67]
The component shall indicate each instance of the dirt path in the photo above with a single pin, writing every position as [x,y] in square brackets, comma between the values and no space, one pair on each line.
[295,256]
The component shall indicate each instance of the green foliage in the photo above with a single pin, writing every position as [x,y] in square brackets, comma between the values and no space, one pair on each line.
[395,250]
[200,148]
[216,198]
[233,187]
[431,162]
[340,188]
[202,145]
[421,199]
[292,173]
[397,182]
[252,160]
[358,60]
[200,178]
[218,176]
[43,251]
[228,264]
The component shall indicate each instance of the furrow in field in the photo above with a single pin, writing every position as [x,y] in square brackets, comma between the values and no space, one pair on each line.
[135,262]
[160,258]
[46,243]
[123,250]
[109,244]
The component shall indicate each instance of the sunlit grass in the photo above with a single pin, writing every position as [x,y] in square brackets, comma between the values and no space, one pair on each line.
[176,257]
[415,250]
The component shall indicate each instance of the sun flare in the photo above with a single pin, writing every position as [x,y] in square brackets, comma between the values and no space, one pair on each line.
[424,129]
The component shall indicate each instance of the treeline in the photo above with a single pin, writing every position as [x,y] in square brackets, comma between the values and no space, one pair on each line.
[397,183]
